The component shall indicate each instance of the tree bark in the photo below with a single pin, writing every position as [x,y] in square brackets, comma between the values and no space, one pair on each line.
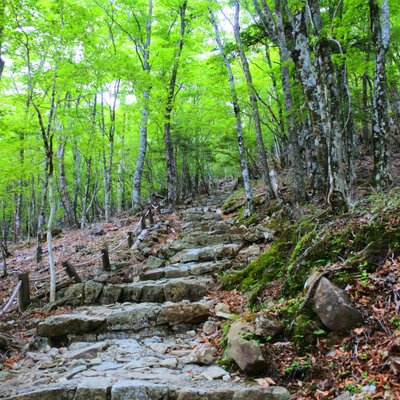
[293,131]
[380,27]
[169,149]
[236,110]
[144,48]
[262,155]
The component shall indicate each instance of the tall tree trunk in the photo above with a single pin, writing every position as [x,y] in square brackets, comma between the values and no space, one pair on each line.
[108,159]
[380,27]
[66,203]
[137,177]
[2,19]
[144,48]
[86,193]
[236,109]
[262,154]
[169,149]
[293,131]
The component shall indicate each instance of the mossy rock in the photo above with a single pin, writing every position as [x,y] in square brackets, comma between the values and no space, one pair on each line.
[305,332]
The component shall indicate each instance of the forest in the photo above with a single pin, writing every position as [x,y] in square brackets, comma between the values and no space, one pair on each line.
[109,107]
[106,105]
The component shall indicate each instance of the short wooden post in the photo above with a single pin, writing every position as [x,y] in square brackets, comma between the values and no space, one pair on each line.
[151,218]
[24,294]
[130,240]
[143,222]
[71,272]
[106,259]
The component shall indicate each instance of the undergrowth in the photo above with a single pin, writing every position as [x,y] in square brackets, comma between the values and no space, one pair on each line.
[358,241]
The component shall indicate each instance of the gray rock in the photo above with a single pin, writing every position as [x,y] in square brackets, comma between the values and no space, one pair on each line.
[153,275]
[131,293]
[138,390]
[233,393]
[58,392]
[93,389]
[179,313]
[135,318]
[267,326]
[210,327]
[333,307]
[153,293]
[73,296]
[66,324]
[107,366]
[246,353]
[154,262]
[258,233]
[87,352]
[203,354]
[214,372]
[184,290]
[111,294]
[92,292]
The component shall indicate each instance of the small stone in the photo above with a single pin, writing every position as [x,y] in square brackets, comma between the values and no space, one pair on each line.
[214,372]
[203,354]
[171,363]
[210,327]
[222,308]
[159,347]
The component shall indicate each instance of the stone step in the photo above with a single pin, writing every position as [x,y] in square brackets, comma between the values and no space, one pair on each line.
[204,216]
[144,389]
[122,318]
[185,270]
[207,226]
[197,239]
[209,253]
[182,288]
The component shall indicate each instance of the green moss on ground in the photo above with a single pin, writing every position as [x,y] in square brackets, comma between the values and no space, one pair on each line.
[360,240]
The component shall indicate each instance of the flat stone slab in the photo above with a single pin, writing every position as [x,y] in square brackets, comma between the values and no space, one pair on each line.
[127,317]
[161,290]
[64,324]
[208,253]
[182,270]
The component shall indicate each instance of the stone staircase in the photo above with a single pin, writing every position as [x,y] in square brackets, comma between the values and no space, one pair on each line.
[142,340]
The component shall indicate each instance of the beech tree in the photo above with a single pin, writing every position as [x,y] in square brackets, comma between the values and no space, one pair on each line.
[144,101]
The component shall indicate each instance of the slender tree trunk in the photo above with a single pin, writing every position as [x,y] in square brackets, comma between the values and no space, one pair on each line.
[137,177]
[50,224]
[366,107]
[380,27]
[77,180]
[169,149]
[262,154]
[86,193]
[236,109]
[2,18]
[66,203]
[293,131]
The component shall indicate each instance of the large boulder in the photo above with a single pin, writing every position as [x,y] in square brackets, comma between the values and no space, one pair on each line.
[246,353]
[66,324]
[334,308]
